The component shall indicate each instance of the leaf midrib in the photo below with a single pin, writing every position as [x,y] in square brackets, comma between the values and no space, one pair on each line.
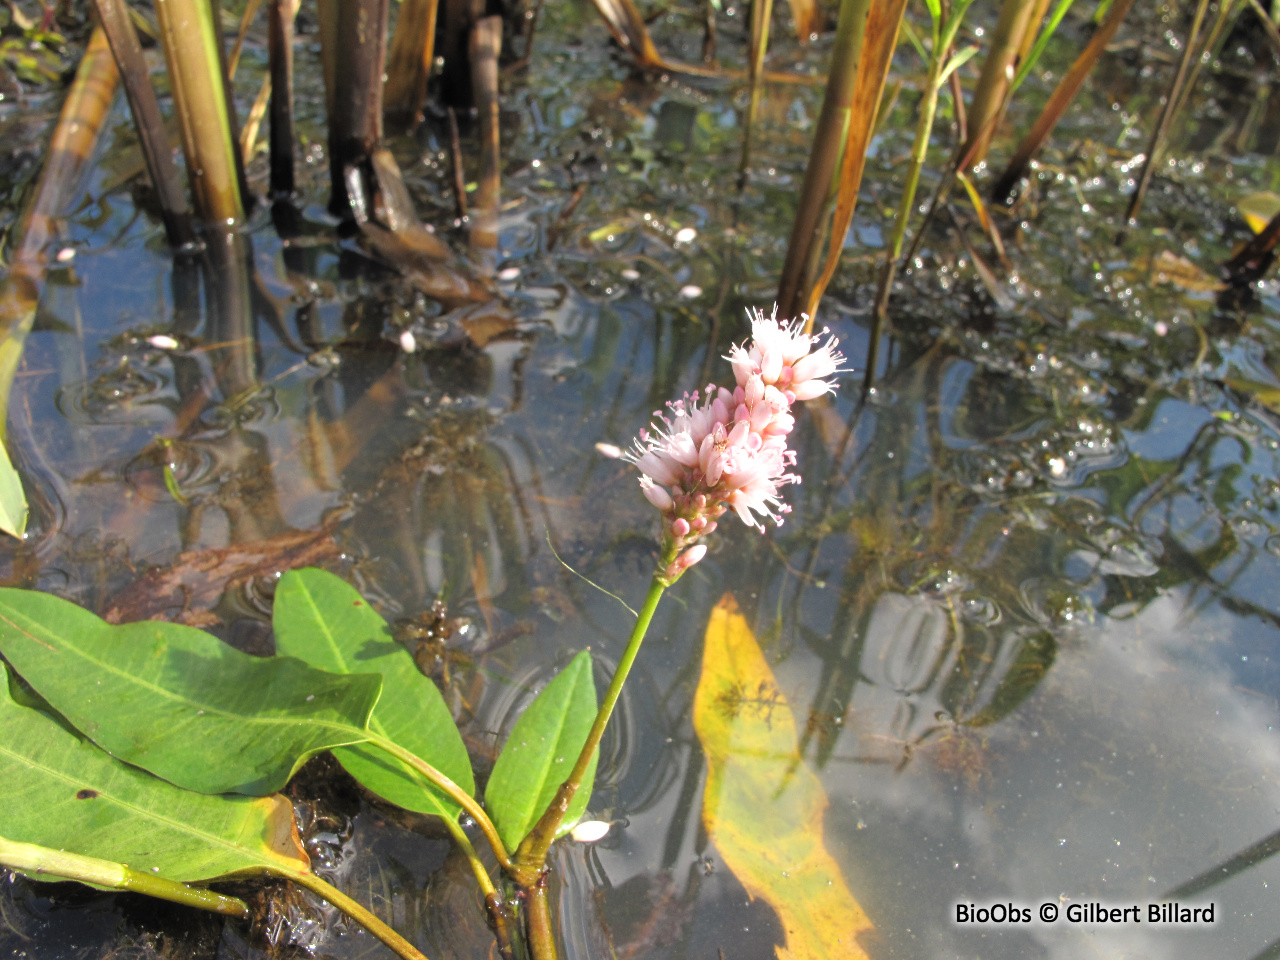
[562,720]
[166,694]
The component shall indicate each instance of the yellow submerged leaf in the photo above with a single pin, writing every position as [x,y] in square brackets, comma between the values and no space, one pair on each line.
[763,807]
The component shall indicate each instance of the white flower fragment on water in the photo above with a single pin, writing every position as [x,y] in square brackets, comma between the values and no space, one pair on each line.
[162,341]
[690,291]
[407,343]
[686,235]
[609,450]
[589,831]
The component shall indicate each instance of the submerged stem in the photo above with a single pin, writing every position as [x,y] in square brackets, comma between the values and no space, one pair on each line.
[355,911]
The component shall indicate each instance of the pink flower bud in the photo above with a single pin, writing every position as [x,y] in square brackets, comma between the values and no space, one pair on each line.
[692,555]
[680,527]
[771,364]
[699,523]
[753,391]
[710,527]
[656,495]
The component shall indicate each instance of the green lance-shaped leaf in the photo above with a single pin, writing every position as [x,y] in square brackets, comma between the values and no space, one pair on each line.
[179,702]
[58,790]
[321,619]
[543,746]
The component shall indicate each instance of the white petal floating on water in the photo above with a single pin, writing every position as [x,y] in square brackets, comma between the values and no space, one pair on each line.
[407,343]
[690,291]
[686,235]
[629,274]
[589,831]
[162,341]
[65,254]
[510,273]
[608,450]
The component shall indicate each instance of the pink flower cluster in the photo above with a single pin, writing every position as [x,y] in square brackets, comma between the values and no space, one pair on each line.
[728,449]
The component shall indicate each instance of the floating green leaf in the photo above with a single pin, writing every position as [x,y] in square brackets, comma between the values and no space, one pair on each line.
[60,791]
[179,702]
[320,619]
[541,751]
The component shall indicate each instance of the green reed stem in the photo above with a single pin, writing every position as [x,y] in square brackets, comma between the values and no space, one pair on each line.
[531,857]
[191,44]
[941,64]
[36,861]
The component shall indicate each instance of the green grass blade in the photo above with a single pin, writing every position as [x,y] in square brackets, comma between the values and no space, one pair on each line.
[1042,41]
[179,702]
[320,619]
[540,752]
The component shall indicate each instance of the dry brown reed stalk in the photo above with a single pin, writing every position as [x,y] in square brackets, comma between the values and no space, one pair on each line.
[1063,96]
[485,48]
[410,59]
[153,139]
[828,141]
[761,15]
[883,25]
[280,54]
[246,21]
[987,106]
[249,132]
[1252,260]
[355,116]
[1167,113]
[191,51]
[807,16]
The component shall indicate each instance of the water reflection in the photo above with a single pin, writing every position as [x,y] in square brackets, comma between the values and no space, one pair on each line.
[1023,611]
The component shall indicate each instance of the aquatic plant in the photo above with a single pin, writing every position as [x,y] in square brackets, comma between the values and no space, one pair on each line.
[256,721]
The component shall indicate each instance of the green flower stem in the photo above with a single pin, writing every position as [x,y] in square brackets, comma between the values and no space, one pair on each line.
[532,856]
[43,862]
[351,908]
[455,792]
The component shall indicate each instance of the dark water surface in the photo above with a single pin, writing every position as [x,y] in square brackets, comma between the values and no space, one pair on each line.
[1026,607]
